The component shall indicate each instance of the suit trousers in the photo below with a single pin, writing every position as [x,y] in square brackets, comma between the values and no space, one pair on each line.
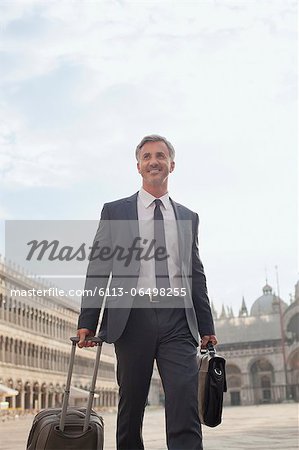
[162,334]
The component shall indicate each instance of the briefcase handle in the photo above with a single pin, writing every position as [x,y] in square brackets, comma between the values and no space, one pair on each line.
[209,349]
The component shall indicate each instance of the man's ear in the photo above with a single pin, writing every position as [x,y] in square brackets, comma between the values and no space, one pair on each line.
[138,167]
[172,166]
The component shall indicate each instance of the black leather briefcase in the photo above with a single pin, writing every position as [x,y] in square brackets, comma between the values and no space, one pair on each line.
[211,386]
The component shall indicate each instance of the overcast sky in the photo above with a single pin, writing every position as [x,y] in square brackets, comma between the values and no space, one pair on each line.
[82,82]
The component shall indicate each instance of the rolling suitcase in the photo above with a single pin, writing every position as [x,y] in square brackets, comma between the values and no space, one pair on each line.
[211,386]
[71,428]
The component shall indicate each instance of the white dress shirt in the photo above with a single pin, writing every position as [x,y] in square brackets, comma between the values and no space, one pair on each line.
[145,210]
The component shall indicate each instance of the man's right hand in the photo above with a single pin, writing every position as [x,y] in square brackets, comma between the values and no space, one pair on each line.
[82,334]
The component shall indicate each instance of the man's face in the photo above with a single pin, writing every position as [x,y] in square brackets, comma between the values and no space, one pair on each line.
[154,163]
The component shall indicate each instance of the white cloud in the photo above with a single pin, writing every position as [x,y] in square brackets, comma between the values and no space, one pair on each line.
[99,35]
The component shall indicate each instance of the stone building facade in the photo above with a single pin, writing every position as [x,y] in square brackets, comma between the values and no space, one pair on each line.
[261,347]
[35,347]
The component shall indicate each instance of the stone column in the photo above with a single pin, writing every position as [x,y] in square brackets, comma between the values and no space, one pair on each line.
[13,402]
[25,351]
[22,399]
[13,353]
[32,404]
[46,399]
[39,400]
[2,350]
[246,391]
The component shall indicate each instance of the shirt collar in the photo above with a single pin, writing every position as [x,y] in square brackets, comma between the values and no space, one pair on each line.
[147,199]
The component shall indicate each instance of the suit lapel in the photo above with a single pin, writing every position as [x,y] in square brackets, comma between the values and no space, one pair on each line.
[132,214]
[185,234]
[179,218]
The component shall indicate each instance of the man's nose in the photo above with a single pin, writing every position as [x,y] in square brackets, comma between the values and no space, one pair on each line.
[153,162]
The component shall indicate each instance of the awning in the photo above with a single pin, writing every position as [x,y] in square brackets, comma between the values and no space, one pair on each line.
[5,391]
[80,393]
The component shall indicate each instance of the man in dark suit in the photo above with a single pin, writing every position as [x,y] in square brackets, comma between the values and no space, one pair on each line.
[157,305]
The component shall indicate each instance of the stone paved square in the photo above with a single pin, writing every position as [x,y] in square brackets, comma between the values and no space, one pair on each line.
[268,427]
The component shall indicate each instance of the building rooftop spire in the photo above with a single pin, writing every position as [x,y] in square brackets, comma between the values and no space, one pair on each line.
[223,313]
[243,311]
[267,289]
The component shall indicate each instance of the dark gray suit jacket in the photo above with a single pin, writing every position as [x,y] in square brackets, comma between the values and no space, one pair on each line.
[117,229]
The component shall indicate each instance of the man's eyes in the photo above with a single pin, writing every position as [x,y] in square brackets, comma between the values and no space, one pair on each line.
[159,156]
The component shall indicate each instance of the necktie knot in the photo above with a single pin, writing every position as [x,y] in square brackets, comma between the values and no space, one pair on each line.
[158,202]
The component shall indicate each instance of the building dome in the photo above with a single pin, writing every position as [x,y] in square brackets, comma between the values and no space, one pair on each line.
[268,303]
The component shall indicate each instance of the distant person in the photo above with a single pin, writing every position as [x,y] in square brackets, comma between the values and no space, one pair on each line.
[162,304]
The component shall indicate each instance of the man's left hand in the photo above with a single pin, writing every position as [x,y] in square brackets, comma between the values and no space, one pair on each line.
[206,339]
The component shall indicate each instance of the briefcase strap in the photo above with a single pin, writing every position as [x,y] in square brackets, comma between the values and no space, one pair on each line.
[99,343]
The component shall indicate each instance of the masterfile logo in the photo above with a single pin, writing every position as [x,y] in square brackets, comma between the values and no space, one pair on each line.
[57,248]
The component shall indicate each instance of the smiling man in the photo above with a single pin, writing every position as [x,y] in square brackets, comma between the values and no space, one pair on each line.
[154,165]
[162,311]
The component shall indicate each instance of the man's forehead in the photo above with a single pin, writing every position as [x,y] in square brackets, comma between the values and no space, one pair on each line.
[156,146]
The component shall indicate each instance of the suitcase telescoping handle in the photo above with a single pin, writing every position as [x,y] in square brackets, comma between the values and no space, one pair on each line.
[99,343]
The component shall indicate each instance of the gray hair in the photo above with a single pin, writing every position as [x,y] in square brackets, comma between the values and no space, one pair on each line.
[155,138]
